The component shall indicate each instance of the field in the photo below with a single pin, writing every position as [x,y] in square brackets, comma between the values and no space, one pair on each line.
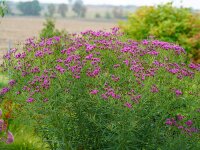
[17,29]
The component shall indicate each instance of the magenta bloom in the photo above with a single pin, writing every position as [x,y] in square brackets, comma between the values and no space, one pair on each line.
[189,123]
[104,96]
[128,105]
[46,100]
[145,42]
[154,89]
[30,100]
[12,82]
[178,92]
[180,127]
[180,117]
[168,122]
[10,138]
[94,92]
[4,91]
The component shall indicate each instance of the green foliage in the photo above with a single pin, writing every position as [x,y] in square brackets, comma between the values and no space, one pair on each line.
[167,23]
[49,30]
[3,8]
[67,115]
[31,8]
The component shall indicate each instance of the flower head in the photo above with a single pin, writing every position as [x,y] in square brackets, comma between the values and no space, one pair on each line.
[10,138]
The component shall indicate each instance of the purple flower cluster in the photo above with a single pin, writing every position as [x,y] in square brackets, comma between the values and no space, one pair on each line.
[4,91]
[178,123]
[96,55]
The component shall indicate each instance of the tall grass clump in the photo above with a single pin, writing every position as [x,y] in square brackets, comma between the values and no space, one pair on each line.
[97,90]
[166,23]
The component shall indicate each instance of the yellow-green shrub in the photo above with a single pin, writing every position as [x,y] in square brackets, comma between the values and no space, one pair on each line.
[166,23]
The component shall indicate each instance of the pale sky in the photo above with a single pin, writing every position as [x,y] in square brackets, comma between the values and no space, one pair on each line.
[186,3]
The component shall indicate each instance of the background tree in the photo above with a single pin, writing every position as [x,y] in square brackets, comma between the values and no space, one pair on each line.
[62,9]
[166,23]
[108,15]
[51,10]
[118,12]
[97,15]
[79,8]
[32,8]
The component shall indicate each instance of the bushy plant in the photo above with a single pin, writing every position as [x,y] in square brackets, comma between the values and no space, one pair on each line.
[98,90]
[3,8]
[49,30]
[166,23]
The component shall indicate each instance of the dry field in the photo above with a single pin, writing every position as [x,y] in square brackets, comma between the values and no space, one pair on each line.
[17,29]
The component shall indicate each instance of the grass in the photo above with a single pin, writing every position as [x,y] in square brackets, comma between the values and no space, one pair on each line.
[25,139]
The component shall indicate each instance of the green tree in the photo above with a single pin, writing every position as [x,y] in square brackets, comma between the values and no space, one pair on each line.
[62,9]
[32,8]
[79,8]
[51,10]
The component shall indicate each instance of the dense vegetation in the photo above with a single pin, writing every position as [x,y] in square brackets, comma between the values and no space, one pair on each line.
[98,90]
[2,8]
[167,23]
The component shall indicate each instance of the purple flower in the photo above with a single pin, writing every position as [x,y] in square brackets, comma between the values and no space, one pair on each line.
[89,47]
[60,69]
[180,117]
[145,42]
[89,57]
[193,66]
[126,62]
[154,89]
[169,122]
[189,123]
[18,55]
[4,91]
[12,82]
[30,100]
[94,92]
[180,127]
[127,104]
[104,96]
[45,100]
[178,92]
[116,65]
[10,138]
[39,54]
[18,92]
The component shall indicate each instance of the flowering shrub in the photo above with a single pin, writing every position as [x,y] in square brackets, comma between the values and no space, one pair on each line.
[167,23]
[97,90]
